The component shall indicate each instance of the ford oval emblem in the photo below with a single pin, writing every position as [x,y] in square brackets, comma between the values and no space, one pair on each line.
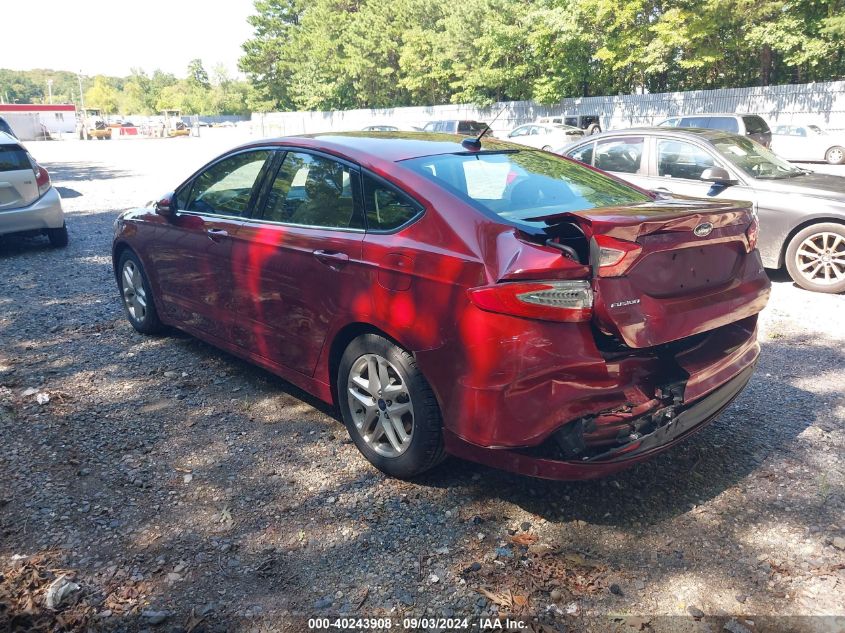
[703,230]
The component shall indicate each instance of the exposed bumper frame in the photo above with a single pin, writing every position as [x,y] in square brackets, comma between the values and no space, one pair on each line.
[688,421]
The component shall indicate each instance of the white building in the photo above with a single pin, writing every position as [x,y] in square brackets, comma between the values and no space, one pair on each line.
[31,120]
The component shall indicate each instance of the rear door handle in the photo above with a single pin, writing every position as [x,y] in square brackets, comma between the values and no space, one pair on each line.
[331,258]
[216,235]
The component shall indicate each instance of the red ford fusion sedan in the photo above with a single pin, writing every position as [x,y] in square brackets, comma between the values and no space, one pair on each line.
[489,301]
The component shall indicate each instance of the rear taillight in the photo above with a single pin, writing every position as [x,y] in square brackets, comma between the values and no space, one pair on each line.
[753,231]
[42,178]
[615,256]
[543,300]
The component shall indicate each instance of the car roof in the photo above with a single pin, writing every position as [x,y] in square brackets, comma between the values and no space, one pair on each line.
[373,148]
[698,132]
[725,114]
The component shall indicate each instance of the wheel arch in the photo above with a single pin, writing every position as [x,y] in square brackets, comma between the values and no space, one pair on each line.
[117,252]
[800,227]
[341,341]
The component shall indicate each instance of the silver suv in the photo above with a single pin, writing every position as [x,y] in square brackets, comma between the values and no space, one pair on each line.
[29,204]
[750,125]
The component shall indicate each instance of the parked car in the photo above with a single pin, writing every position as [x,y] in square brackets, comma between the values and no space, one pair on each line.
[544,136]
[6,128]
[808,143]
[385,127]
[465,128]
[501,304]
[749,125]
[590,123]
[29,204]
[802,213]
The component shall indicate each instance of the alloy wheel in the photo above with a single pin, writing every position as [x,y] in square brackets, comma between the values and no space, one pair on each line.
[835,155]
[821,258]
[134,295]
[381,405]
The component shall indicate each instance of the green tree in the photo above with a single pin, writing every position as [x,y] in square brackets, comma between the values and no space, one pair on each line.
[102,95]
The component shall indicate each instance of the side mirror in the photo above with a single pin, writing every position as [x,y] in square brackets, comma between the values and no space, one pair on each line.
[166,207]
[718,175]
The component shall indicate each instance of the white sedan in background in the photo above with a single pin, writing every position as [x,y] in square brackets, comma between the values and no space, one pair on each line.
[809,143]
[544,136]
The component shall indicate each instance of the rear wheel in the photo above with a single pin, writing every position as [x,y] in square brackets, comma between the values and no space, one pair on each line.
[815,257]
[835,155]
[58,237]
[136,294]
[388,407]
[593,128]
[547,148]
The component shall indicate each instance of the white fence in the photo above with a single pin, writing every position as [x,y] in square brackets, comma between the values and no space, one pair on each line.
[820,103]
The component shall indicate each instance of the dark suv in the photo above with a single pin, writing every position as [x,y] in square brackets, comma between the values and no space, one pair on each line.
[750,125]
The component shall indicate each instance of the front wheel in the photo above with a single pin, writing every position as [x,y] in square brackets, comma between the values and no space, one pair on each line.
[835,155]
[593,128]
[137,297]
[815,257]
[388,407]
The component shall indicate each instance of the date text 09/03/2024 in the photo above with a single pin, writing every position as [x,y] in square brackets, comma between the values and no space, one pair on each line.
[381,624]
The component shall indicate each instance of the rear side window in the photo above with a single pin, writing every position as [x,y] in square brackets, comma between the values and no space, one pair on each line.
[314,191]
[583,154]
[13,158]
[755,125]
[727,124]
[386,207]
[622,155]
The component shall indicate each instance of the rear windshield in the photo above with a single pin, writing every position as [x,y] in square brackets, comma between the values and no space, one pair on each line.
[754,159]
[470,127]
[519,184]
[728,124]
[13,158]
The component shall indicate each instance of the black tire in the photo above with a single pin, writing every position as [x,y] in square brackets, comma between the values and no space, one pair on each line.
[835,155]
[148,322]
[547,148]
[593,128]
[795,256]
[58,237]
[425,449]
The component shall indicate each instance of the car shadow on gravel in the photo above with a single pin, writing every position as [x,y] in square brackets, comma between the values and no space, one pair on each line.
[762,423]
[84,170]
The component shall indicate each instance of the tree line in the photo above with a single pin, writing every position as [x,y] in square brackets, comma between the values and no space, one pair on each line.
[138,93]
[336,54]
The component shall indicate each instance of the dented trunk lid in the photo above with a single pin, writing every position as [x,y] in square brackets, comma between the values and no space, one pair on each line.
[688,268]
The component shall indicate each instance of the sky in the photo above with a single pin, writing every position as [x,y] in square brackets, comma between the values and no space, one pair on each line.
[110,38]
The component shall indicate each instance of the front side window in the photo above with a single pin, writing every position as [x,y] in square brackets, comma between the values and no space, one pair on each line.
[583,154]
[313,191]
[386,207]
[521,131]
[679,159]
[694,121]
[524,187]
[622,155]
[226,187]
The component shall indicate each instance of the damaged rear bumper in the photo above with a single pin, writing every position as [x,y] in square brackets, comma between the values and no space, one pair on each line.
[685,420]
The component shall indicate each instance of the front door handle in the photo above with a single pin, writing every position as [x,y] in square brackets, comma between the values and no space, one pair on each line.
[332,259]
[216,235]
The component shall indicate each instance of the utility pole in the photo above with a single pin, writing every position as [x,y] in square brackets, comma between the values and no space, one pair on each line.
[81,98]
[50,91]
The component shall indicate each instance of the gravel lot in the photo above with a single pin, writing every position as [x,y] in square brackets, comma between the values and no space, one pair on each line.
[184,490]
